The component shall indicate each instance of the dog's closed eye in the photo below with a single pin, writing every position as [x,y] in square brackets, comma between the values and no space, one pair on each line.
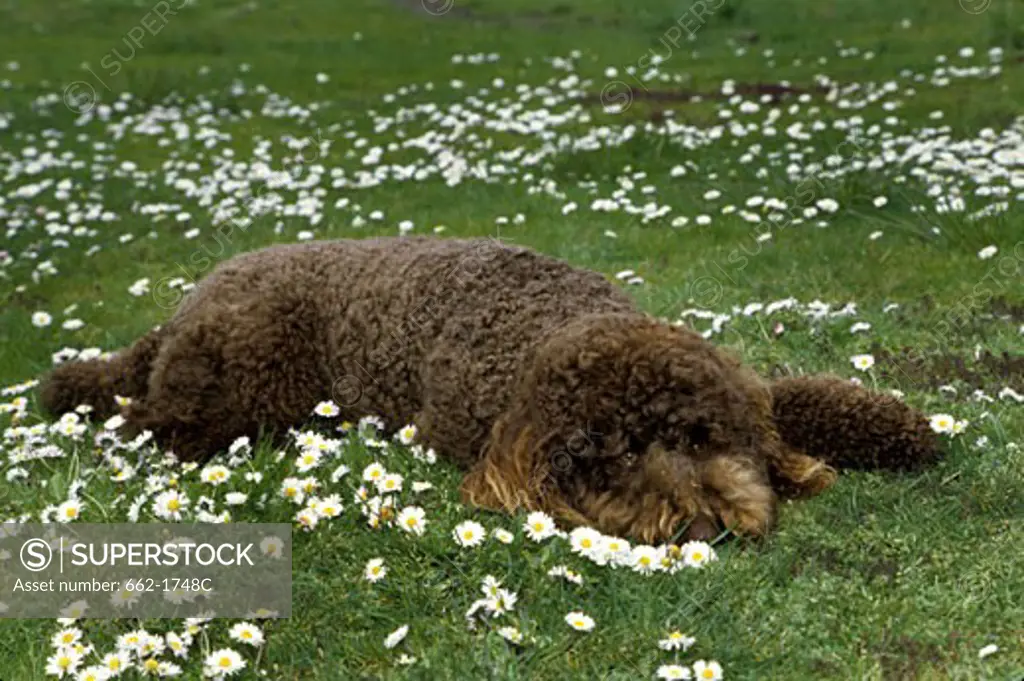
[697,435]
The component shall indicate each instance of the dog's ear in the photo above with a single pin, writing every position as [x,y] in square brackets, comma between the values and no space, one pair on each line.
[850,427]
[512,472]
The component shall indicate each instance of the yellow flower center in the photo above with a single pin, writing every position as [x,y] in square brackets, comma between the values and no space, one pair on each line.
[224,662]
[697,555]
[151,664]
[71,512]
[173,505]
[246,634]
[64,662]
[585,543]
[708,674]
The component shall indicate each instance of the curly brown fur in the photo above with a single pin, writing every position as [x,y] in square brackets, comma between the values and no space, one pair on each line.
[543,380]
[850,427]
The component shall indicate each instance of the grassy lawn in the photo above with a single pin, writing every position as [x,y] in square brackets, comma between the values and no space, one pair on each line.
[861,160]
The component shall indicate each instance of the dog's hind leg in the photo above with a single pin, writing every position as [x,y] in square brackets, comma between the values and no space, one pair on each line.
[228,371]
[850,427]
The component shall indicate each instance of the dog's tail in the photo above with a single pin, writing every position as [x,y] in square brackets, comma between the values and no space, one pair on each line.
[850,427]
[96,382]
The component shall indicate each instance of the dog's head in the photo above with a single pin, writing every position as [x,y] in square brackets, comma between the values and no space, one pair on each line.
[637,428]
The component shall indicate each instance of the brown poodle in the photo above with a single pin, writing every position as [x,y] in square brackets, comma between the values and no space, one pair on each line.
[543,380]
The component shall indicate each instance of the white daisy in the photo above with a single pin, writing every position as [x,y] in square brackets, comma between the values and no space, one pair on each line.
[676,640]
[245,632]
[413,520]
[646,559]
[375,570]
[707,670]
[579,621]
[407,435]
[374,472]
[170,505]
[539,526]
[671,672]
[69,510]
[862,362]
[328,409]
[392,482]
[503,536]
[396,636]
[222,663]
[215,475]
[469,533]
[697,554]
[942,423]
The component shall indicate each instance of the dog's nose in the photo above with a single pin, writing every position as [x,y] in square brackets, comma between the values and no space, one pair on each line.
[702,528]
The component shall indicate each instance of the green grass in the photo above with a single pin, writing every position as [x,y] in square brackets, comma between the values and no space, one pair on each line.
[880,578]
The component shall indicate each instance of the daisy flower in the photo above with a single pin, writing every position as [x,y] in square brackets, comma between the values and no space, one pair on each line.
[503,536]
[697,554]
[407,435]
[178,645]
[490,586]
[41,319]
[272,546]
[64,662]
[215,475]
[235,498]
[222,663]
[117,663]
[374,472]
[412,519]
[503,602]
[707,670]
[66,637]
[392,482]
[585,540]
[307,460]
[330,507]
[618,551]
[990,649]
[676,640]
[396,636]
[245,632]
[292,488]
[170,505]
[862,362]
[69,510]
[328,409]
[511,634]
[670,672]
[93,673]
[539,526]
[565,573]
[469,533]
[579,621]
[942,423]
[375,570]
[307,518]
[646,559]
